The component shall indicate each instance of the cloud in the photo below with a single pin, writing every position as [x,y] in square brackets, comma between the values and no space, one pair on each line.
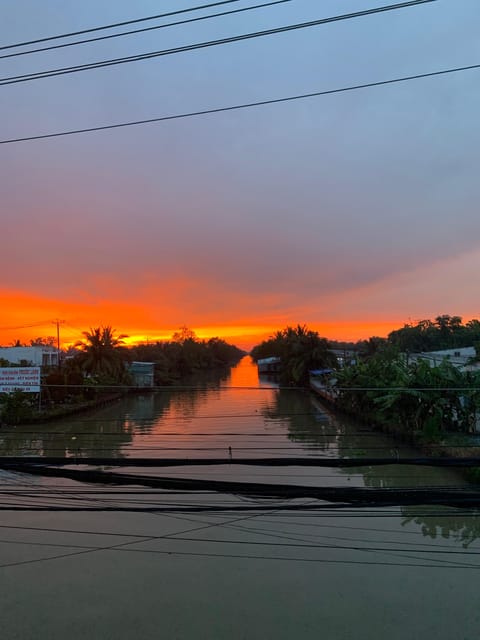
[348,211]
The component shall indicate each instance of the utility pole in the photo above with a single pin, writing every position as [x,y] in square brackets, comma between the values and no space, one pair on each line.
[58,322]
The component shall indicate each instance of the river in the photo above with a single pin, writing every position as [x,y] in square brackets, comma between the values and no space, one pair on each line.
[237,568]
[229,413]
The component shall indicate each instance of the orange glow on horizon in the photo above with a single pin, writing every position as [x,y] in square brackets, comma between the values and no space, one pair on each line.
[27,316]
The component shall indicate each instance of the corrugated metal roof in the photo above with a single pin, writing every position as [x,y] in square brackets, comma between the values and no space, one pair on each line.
[272,360]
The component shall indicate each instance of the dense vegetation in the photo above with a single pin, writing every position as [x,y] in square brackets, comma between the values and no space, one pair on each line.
[381,385]
[444,332]
[300,350]
[415,397]
[385,387]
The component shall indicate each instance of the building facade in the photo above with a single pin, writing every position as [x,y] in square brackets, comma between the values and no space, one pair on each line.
[38,356]
[142,373]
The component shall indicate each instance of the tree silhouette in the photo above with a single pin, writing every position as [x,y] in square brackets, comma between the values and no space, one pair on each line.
[299,350]
[103,353]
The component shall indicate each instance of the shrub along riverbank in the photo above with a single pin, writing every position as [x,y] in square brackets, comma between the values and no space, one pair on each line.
[436,409]
[417,398]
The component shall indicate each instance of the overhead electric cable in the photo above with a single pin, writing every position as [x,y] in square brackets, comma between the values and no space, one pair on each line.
[247,105]
[25,326]
[49,73]
[298,543]
[145,29]
[461,497]
[42,464]
[113,25]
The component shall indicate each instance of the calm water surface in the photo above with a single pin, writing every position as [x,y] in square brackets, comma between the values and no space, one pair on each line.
[237,410]
[363,573]
[253,417]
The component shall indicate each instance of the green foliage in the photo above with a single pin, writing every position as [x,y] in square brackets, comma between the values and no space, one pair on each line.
[55,386]
[103,355]
[299,350]
[62,386]
[473,475]
[414,397]
[375,345]
[17,407]
[445,332]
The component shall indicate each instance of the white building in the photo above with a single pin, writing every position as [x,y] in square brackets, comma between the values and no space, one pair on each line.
[460,357]
[38,356]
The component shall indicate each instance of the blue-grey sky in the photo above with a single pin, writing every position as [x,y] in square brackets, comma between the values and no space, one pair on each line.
[352,212]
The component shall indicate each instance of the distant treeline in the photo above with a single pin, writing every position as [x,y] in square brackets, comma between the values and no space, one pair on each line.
[97,370]
[177,359]
[103,357]
[444,332]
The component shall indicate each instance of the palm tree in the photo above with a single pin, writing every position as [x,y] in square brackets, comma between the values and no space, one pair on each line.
[305,350]
[103,353]
[299,350]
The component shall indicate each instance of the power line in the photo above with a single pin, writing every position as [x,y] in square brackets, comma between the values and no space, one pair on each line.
[116,24]
[301,544]
[247,105]
[171,552]
[342,496]
[145,29]
[203,45]
[276,521]
[26,326]
[45,464]
[124,387]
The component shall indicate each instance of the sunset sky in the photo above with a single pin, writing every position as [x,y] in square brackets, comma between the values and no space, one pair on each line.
[353,213]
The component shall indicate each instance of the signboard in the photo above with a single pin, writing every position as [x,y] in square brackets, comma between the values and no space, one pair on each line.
[25,379]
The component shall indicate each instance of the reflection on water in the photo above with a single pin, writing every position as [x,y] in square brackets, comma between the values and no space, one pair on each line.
[94,438]
[231,409]
[307,423]
[454,525]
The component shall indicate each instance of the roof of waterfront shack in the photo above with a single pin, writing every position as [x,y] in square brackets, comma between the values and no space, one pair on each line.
[272,360]
[141,366]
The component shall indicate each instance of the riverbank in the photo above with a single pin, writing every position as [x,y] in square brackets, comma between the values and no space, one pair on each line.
[451,445]
[236,416]
[25,410]
[29,415]
[61,411]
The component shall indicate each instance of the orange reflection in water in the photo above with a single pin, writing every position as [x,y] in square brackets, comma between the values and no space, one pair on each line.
[244,374]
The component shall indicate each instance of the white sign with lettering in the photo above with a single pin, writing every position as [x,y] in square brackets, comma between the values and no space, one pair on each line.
[25,379]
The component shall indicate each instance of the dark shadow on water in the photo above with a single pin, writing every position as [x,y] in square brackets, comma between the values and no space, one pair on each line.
[456,525]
